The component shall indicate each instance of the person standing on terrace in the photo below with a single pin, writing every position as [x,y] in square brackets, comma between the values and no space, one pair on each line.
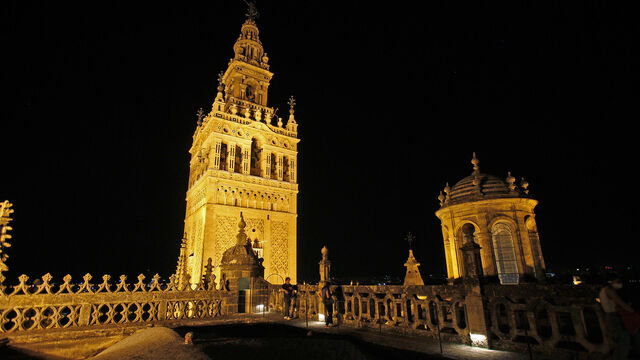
[612,305]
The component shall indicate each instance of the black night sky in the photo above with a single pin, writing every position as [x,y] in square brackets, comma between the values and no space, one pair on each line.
[100,99]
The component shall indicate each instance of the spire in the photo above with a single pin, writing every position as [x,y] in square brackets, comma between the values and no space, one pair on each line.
[413,274]
[242,237]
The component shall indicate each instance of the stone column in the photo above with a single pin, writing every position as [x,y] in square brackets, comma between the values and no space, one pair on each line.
[246,158]
[279,167]
[292,170]
[487,256]
[267,164]
[231,156]
[216,154]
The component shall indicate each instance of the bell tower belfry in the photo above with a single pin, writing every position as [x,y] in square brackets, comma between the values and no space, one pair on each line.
[243,159]
[247,77]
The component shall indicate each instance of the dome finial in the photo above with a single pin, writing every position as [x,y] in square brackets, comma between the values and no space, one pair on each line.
[475,162]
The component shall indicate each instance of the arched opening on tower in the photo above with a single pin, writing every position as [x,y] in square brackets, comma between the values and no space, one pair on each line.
[223,156]
[237,163]
[256,154]
[504,250]
[285,169]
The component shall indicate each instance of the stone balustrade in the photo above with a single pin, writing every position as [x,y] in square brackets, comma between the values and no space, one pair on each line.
[42,305]
[561,321]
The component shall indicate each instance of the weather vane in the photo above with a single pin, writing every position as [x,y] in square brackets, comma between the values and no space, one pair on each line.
[252,13]
[410,239]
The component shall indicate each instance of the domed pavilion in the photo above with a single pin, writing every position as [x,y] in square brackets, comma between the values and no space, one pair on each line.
[498,216]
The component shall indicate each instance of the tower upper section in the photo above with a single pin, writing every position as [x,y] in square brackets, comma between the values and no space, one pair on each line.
[246,81]
[241,134]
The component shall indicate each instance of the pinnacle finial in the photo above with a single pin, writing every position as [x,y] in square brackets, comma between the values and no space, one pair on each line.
[475,162]
[525,186]
[242,224]
[511,181]
[5,219]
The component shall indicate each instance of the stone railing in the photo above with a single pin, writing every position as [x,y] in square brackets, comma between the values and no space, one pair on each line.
[565,321]
[42,305]
[548,317]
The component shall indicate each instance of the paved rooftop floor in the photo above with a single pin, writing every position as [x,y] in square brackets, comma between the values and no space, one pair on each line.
[421,344]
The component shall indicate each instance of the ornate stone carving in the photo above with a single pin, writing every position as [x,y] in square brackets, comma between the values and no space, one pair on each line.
[279,248]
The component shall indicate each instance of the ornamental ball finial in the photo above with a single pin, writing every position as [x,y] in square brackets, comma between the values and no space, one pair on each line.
[475,162]
[325,252]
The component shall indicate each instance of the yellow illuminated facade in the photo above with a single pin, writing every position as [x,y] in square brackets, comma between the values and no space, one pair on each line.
[243,159]
[499,216]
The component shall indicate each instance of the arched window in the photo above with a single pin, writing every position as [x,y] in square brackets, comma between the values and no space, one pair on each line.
[505,254]
[237,165]
[285,169]
[256,153]
[223,156]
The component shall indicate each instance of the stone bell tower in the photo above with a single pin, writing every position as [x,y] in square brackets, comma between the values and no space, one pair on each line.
[243,159]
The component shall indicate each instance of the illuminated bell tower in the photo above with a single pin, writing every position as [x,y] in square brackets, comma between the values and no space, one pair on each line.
[243,159]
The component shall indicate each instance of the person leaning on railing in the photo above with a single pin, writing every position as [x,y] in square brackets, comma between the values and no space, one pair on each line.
[614,307]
